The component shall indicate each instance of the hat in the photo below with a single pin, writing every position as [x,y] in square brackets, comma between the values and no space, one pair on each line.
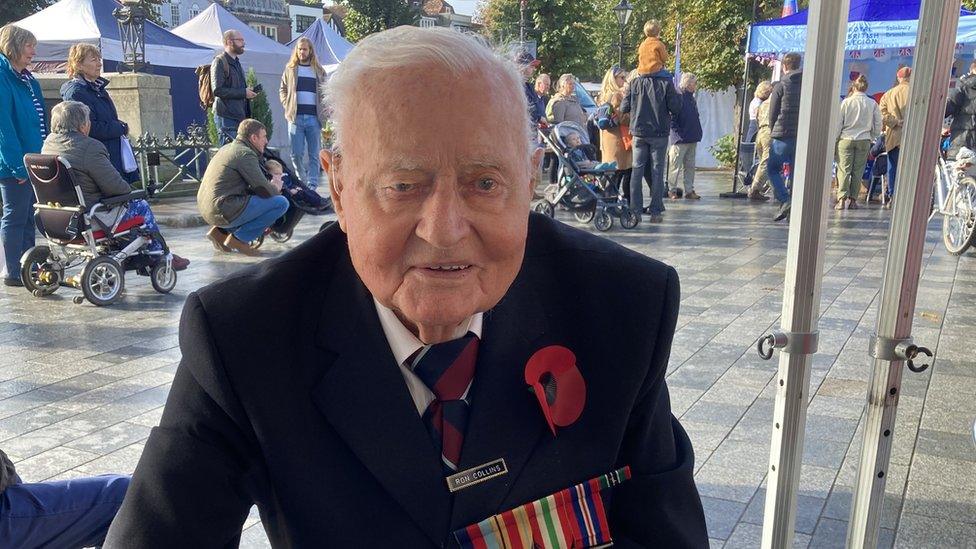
[904,72]
[526,58]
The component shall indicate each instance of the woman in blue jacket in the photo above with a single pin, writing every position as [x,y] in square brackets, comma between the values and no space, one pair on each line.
[23,126]
[88,87]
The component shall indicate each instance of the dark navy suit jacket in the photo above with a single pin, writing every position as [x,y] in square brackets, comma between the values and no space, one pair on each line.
[320,430]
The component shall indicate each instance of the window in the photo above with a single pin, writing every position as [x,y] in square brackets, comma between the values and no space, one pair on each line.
[427,22]
[194,10]
[157,11]
[267,30]
[303,22]
[174,11]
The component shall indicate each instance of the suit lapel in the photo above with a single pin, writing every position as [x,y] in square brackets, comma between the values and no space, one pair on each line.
[363,395]
[505,420]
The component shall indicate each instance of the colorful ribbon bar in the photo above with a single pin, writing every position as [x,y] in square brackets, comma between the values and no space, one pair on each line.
[571,518]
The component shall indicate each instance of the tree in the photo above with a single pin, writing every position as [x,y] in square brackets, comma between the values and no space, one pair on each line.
[260,109]
[364,17]
[15,10]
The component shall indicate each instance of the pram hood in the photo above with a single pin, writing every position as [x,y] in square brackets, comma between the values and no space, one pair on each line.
[563,130]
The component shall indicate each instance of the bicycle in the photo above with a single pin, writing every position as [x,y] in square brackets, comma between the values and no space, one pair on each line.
[955,200]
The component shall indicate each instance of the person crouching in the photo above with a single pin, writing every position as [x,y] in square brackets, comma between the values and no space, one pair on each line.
[235,197]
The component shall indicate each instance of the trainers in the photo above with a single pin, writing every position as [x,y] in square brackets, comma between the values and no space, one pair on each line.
[692,195]
[15,282]
[217,237]
[783,213]
[759,197]
[673,195]
[180,263]
[657,219]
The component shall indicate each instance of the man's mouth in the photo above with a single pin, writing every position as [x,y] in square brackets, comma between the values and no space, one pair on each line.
[456,267]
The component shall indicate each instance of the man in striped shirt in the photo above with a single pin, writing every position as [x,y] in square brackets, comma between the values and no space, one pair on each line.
[301,89]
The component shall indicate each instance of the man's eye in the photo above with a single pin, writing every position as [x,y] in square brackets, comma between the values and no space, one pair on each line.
[402,187]
[487,184]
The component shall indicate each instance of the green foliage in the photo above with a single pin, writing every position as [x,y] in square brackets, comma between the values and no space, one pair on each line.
[582,36]
[724,150]
[364,17]
[969,4]
[260,109]
[15,10]
[212,129]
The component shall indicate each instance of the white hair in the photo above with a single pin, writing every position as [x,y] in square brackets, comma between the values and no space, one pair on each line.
[406,47]
[69,116]
[687,79]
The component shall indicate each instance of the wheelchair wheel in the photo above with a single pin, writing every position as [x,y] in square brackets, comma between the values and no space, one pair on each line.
[603,221]
[628,218]
[281,238]
[256,243]
[102,280]
[162,277]
[545,208]
[40,275]
[959,230]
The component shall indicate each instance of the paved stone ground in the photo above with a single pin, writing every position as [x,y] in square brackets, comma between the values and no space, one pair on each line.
[80,386]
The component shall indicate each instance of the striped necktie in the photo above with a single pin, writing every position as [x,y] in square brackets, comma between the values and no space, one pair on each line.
[447,370]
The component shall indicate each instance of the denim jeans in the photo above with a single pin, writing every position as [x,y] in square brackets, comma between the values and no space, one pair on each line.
[781,152]
[892,169]
[306,134]
[63,513]
[650,154]
[257,216]
[226,129]
[17,224]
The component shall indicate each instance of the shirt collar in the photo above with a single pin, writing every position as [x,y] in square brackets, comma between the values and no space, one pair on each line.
[402,341]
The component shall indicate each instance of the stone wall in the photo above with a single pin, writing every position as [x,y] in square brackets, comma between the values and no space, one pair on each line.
[142,100]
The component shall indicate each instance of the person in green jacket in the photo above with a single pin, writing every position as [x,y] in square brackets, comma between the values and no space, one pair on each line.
[235,196]
[23,125]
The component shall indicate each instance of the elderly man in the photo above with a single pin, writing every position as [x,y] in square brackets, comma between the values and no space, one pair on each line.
[231,94]
[393,409]
[94,173]
[235,196]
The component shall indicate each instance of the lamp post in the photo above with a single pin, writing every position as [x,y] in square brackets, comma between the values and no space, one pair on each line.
[132,32]
[623,11]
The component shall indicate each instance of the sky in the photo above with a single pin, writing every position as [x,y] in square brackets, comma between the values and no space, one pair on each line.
[464,7]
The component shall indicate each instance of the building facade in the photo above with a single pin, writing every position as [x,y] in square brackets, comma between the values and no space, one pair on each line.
[276,19]
[438,13]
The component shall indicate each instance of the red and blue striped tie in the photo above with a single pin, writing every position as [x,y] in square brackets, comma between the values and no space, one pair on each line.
[447,370]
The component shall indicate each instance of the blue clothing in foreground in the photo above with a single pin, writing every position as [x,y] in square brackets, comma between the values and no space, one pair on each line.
[141,208]
[64,513]
[20,127]
[257,216]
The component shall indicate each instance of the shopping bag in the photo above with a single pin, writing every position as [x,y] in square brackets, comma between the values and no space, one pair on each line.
[129,164]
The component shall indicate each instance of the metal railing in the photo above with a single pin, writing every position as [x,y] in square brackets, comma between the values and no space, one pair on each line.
[187,152]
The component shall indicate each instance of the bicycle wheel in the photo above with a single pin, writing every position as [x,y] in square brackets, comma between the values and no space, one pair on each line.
[959,230]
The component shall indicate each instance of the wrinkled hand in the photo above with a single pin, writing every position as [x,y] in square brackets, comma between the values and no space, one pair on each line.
[249,93]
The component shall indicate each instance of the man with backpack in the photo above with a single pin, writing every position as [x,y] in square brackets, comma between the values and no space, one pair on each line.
[230,94]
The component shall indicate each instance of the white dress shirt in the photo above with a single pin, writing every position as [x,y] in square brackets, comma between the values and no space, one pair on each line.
[404,344]
[860,117]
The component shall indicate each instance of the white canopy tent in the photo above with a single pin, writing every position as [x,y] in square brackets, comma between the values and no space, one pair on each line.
[265,56]
[330,47]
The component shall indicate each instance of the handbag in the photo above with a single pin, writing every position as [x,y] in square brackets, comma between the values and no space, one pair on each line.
[129,164]
[627,139]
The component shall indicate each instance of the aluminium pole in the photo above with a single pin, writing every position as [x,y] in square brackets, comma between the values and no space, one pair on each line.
[892,345]
[818,122]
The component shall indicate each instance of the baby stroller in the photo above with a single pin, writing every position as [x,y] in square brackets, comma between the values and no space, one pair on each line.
[78,238]
[583,187]
[301,200]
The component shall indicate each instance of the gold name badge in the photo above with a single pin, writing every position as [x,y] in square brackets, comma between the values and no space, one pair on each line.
[476,475]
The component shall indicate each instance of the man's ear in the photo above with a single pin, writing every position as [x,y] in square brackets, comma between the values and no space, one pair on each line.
[333,161]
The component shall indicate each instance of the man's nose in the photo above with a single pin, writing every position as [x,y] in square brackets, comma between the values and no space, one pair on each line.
[443,217]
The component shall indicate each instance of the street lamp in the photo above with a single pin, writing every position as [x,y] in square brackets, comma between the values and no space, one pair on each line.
[132,32]
[623,11]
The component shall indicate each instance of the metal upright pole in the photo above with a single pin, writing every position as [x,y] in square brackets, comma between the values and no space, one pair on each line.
[818,122]
[738,132]
[892,344]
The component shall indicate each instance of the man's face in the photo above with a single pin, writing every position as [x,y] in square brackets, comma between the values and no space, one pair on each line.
[304,53]
[259,140]
[437,217]
[235,44]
